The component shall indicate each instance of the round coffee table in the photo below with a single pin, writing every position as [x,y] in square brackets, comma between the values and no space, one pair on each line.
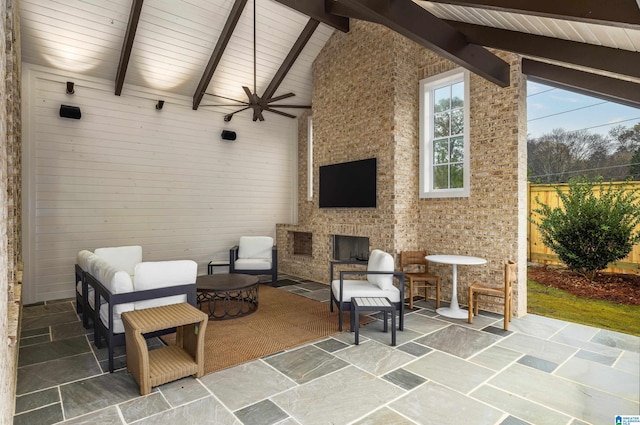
[228,295]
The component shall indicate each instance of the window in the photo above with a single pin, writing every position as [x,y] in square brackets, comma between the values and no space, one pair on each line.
[444,135]
[310,159]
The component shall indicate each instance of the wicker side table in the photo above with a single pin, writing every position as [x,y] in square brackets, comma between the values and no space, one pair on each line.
[166,364]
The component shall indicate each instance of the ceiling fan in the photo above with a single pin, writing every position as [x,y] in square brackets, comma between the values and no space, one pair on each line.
[256,103]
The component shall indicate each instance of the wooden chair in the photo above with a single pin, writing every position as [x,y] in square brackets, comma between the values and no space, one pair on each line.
[502,296]
[416,272]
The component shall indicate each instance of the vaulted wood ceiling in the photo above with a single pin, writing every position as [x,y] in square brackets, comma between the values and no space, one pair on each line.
[200,48]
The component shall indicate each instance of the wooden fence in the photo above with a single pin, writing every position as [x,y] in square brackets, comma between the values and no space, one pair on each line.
[539,253]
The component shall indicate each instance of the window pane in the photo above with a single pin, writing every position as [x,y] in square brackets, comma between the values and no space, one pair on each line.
[457,95]
[441,125]
[441,177]
[440,151]
[441,99]
[457,149]
[457,176]
[457,121]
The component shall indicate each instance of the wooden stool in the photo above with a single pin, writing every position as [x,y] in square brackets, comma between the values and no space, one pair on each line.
[359,304]
[166,364]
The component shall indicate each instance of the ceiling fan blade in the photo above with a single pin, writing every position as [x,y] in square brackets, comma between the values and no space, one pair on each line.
[228,104]
[280,112]
[282,96]
[249,94]
[228,98]
[260,117]
[291,106]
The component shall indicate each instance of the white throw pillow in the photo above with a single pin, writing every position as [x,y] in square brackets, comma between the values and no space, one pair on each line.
[382,262]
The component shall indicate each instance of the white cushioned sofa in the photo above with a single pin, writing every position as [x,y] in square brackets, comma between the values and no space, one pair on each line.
[254,255]
[117,280]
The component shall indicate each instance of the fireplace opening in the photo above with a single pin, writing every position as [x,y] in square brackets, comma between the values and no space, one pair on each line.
[303,243]
[350,248]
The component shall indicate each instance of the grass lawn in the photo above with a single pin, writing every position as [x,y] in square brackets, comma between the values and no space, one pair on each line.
[552,302]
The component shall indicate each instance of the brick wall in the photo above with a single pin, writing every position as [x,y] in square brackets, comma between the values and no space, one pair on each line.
[10,200]
[366,104]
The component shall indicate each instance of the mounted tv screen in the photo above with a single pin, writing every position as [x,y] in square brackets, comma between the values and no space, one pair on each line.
[349,184]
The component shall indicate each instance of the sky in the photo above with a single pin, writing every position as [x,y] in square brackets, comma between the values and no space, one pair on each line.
[549,108]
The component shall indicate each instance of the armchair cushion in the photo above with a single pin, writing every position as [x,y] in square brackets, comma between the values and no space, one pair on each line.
[122,257]
[253,247]
[83,259]
[363,288]
[253,264]
[382,262]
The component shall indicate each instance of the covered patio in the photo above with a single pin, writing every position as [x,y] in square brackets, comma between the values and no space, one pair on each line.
[541,371]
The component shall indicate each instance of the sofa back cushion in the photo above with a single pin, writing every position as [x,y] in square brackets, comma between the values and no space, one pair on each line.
[255,247]
[122,257]
[160,274]
[116,280]
[382,262]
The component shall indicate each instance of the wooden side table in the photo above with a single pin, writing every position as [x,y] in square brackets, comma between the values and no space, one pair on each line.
[166,364]
[359,304]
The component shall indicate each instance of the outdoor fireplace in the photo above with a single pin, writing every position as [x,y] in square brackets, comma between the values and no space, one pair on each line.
[350,248]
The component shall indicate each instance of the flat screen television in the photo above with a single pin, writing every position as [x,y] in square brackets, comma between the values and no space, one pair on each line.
[348,184]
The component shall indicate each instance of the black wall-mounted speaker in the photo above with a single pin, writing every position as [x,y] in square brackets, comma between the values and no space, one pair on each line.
[67,111]
[228,135]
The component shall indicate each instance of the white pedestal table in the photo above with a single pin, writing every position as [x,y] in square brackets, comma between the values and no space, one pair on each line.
[454,310]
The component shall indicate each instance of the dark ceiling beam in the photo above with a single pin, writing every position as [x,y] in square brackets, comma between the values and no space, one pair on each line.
[414,22]
[130,35]
[611,89]
[223,40]
[620,13]
[316,9]
[619,61]
[295,51]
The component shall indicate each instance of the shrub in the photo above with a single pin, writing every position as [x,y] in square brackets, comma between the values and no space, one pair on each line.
[589,230]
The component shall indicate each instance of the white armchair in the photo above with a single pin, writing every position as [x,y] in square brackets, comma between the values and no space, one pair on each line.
[379,283]
[254,255]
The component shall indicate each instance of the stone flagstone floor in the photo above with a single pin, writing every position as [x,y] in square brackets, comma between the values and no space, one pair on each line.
[442,371]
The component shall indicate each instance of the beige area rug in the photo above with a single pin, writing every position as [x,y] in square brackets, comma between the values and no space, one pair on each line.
[283,320]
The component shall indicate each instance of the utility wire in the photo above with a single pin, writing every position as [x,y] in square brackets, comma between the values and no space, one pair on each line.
[540,92]
[582,171]
[566,112]
[596,126]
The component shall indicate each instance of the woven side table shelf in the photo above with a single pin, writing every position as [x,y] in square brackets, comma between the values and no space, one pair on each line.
[166,364]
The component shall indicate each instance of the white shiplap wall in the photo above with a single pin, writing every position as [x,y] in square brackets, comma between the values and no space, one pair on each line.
[129,174]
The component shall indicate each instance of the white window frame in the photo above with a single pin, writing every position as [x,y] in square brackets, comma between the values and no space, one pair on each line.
[427,86]
[310,159]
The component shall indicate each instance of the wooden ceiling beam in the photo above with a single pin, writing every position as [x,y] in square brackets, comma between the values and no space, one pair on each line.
[127,45]
[618,61]
[620,13]
[293,54]
[414,22]
[316,9]
[607,88]
[223,40]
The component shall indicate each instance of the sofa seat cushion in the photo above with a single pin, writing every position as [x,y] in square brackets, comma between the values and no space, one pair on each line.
[122,257]
[252,247]
[118,326]
[362,288]
[253,264]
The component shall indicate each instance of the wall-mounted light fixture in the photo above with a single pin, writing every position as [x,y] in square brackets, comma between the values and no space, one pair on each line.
[70,89]
[228,135]
[159,105]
